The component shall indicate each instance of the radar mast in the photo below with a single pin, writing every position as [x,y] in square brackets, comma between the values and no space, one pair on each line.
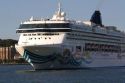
[59,15]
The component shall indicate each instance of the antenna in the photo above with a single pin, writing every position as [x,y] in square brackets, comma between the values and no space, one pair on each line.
[31,19]
[59,8]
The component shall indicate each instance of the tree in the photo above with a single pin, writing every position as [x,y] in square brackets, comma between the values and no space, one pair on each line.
[7,42]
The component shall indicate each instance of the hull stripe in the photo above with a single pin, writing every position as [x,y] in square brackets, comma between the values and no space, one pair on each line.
[34,58]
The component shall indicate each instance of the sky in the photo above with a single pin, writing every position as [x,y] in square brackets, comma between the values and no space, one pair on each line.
[13,12]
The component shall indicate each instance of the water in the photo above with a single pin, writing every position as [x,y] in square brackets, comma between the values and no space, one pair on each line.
[25,74]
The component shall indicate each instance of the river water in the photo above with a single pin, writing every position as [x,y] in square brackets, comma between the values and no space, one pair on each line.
[25,74]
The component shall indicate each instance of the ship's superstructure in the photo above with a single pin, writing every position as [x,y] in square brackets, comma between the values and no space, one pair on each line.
[62,43]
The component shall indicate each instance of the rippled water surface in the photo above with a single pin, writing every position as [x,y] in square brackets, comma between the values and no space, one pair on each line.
[25,74]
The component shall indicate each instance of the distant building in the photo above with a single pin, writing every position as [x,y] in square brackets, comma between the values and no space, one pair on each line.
[7,53]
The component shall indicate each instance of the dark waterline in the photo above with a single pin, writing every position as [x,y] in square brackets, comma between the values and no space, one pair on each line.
[25,74]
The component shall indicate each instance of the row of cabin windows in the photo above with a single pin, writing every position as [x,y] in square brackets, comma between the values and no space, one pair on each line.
[39,38]
[99,47]
[80,35]
[40,34]
[102,47]
[88,39]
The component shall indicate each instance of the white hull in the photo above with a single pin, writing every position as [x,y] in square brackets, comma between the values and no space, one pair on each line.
[56,61]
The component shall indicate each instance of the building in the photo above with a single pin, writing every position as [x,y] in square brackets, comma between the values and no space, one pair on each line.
[7,53]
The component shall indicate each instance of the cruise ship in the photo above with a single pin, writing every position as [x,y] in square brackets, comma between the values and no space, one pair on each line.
[60,43]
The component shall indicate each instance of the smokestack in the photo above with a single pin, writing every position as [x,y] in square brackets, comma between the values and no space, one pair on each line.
[96,18]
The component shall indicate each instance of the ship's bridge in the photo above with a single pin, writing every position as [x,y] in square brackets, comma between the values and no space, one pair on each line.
[57,23]
[45,27]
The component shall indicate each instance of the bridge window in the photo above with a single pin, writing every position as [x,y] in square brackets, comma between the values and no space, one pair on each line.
[38,34]
[48,25]
[24,34]
[33,34]
[29,34]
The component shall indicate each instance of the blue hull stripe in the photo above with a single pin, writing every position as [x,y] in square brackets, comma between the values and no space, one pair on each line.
[39,59]
[34,58]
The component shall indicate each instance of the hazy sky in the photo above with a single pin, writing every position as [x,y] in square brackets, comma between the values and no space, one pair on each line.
[12,12]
